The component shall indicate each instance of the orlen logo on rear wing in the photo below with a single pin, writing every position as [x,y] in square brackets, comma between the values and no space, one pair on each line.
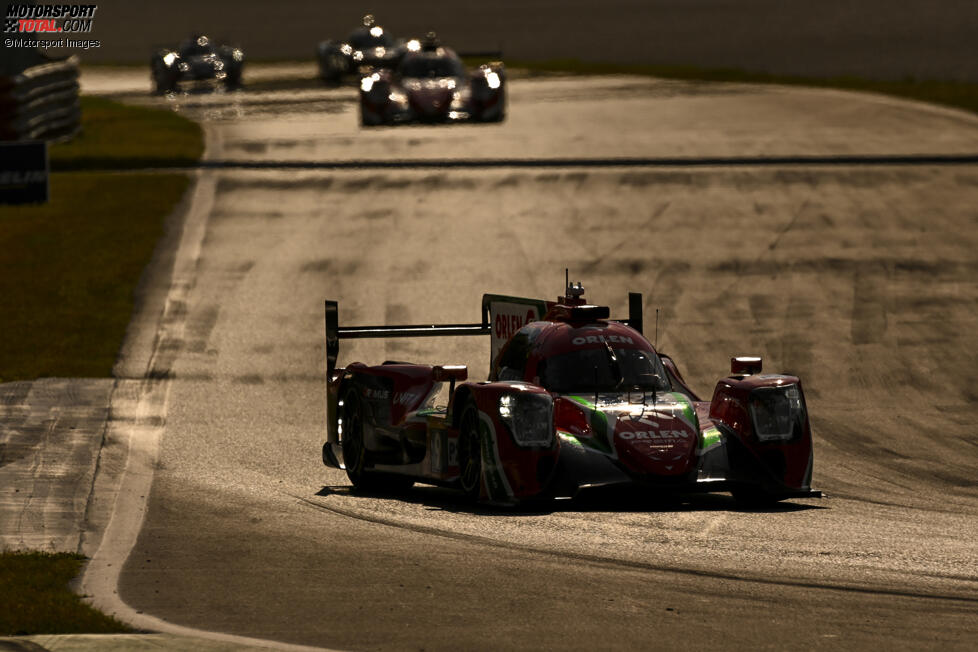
[507,315]
[502,316]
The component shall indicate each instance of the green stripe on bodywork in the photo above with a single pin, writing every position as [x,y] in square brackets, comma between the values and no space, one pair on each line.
[711,438]
[598,420]
[496,485]
[688,411]
[568,438]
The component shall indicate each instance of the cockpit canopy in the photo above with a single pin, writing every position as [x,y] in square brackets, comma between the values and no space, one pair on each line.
[197,45]
[603,369]
[431,66]
[601,356]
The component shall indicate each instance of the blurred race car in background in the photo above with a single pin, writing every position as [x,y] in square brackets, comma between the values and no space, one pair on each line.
[432,84]
[574,401]
[198,63]
[369,47]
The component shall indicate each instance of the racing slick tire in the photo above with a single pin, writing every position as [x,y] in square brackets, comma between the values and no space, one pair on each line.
[164,82]
[470,452]
[355,452]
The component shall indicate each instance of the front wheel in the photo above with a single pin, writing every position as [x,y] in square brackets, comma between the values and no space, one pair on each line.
[470,452]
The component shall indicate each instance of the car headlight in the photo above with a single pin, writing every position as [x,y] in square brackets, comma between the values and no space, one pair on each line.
[776,412]
[529,418]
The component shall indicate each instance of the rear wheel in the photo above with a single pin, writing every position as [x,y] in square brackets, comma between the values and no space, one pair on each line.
[470,452]
[355,452]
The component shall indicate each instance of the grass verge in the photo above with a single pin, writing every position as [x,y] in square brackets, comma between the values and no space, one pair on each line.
[70,267]
[961,95]
[68,276]
[37,598]
[119,137]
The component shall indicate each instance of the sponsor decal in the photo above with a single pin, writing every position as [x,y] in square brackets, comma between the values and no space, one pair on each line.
[599,339]
[61,21]
[435,446]
[453,452]
[669,435]
[507,315]
[406,398]
[504,326]
[24,172]
[371,392]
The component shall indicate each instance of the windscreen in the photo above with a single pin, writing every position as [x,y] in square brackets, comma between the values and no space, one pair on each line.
[429,67]
[603,369]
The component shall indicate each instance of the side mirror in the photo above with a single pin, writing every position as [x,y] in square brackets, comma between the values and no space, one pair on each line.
[745,365]
[453,372]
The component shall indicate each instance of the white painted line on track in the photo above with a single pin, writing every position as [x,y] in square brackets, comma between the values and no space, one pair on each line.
[139,409]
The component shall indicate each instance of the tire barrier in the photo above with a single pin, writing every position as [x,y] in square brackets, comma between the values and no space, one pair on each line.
[41,102]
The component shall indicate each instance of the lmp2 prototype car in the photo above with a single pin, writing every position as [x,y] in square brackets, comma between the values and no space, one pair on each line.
[574,401]
[198,63]
[369,47]
[432,84]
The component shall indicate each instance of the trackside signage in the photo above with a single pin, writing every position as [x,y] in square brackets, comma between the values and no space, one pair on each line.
[24,172]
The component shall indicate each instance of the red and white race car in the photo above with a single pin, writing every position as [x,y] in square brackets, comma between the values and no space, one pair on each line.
[431,84]
[574,400]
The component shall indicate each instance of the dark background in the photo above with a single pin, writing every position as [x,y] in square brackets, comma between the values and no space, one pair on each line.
[884,39]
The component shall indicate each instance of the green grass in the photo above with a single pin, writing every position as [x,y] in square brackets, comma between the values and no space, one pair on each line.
[962,95]
[119,137]
[70,268]
[37,598]
[68,275]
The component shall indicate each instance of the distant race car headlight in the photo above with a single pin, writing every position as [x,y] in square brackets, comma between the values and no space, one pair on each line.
[183,66]
[367,83]
[460,98]
[346,49]
[237,55]
[529,417]
[169,58]
[218,65]
[493,80]
[777,412]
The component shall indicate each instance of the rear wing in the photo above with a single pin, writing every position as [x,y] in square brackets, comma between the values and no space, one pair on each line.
[502,316]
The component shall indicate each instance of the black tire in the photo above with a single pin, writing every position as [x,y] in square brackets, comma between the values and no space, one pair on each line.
[356,456]
[163,84]
[470,452]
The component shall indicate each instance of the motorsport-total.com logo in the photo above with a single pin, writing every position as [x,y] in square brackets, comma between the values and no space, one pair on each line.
[54,20]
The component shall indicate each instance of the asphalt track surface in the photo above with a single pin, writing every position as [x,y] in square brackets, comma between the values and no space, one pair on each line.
[860,278]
